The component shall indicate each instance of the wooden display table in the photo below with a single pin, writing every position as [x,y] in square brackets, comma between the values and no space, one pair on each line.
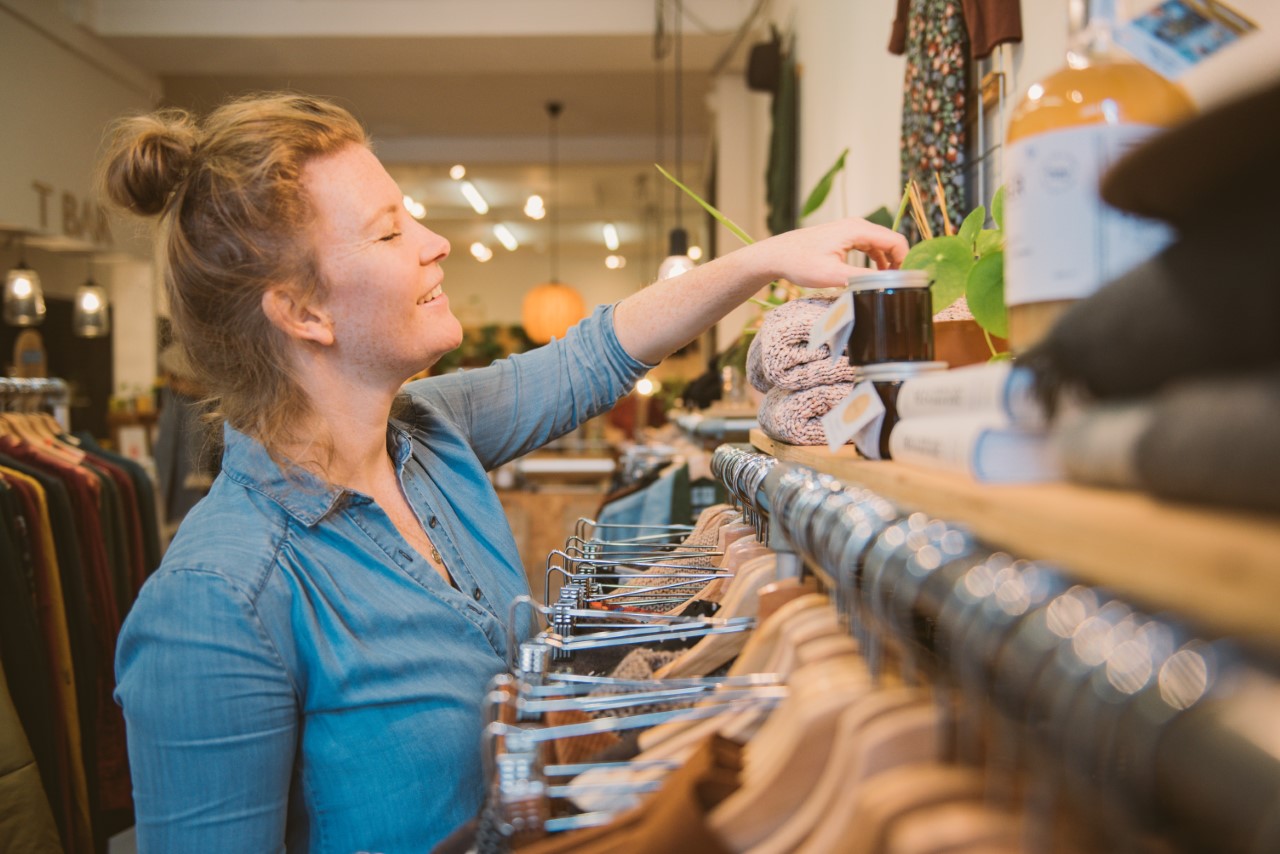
[1219,571]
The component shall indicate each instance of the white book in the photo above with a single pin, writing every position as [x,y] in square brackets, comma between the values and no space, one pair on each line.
[977,445]
[997,388]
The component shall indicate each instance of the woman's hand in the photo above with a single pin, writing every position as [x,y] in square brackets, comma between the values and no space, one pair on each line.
[815,257]
[669,314]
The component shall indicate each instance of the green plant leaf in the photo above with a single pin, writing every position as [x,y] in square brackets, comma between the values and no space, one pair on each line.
[997,207]
[721,218]
[985,291]
[948,261]
[880,216]
[902,206]
[972,225]
[989,240]
[820,190]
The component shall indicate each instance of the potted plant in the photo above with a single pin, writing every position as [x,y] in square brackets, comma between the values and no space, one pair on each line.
[968,263]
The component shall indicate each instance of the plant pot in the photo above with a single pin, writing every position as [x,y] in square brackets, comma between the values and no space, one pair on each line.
[961,342]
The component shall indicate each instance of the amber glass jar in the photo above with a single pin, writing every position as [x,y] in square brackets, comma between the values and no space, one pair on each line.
[888,378]
[892,318]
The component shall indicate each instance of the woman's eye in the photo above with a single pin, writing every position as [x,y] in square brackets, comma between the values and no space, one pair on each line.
[392,236]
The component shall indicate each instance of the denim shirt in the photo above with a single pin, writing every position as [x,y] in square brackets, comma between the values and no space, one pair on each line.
[294,676]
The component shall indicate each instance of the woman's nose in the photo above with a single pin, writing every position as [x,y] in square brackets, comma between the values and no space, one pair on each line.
[434,247]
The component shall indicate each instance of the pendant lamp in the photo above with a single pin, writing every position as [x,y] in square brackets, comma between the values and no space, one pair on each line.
[91,316]
[678,260]
[551,308]
[23,296]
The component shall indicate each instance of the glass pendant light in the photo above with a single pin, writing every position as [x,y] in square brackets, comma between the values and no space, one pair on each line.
[23,296]
[678,260]
[91,317]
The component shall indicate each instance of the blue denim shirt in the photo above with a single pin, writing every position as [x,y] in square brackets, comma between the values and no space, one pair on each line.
[294,676]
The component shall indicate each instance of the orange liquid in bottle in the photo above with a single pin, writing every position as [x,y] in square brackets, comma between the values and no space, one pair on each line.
[1093,90]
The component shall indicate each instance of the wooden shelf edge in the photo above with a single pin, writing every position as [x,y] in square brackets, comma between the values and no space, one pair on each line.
[1217,570]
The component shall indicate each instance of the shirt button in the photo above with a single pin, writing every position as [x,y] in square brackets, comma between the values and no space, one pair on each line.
[476,594]
[434,521]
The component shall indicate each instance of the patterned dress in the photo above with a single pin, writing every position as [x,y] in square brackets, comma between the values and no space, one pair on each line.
[933,106]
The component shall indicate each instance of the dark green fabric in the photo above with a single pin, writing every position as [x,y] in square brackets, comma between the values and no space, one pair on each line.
[780,176]
[146,498]
[22,652]
[75,600]
[114,537]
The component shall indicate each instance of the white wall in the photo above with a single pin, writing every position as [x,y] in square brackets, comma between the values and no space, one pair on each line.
[59,87]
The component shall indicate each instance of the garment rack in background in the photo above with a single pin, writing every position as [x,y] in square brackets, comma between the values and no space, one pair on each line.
[47,393]
[1150,726]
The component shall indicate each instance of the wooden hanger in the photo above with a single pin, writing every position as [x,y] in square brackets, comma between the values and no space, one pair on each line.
[758,652]
[892,795]
[784,759]
[958,827]
[756,657]
[892,727]
[740,600]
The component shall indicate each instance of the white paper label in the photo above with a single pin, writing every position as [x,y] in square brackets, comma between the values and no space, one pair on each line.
[858,415]
[833,325]
[1175,36]
[1062,240]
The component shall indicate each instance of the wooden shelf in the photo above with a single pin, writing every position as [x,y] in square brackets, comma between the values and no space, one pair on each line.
[1219,571]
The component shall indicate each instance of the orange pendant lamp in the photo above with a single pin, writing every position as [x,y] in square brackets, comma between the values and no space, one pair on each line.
[550,309]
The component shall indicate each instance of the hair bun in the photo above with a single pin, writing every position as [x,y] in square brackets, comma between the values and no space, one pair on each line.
[147,157]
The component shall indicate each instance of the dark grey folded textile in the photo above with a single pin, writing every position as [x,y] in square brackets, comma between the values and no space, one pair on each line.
[1214,440]
[1224,157]
[1207,305]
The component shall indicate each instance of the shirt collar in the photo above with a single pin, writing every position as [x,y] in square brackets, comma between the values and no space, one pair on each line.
[301,494]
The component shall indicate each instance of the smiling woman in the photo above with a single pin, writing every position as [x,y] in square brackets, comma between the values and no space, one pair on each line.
[306,668]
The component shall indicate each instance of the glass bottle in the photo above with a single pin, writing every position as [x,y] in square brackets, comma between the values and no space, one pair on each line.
[1062,241]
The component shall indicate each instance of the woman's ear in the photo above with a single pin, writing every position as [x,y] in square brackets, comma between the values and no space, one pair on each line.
[296,317]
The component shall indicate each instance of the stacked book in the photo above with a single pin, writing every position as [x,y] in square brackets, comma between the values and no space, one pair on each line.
[981,420]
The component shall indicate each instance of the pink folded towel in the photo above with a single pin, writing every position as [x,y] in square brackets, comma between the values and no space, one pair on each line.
[796,417]
[779,356]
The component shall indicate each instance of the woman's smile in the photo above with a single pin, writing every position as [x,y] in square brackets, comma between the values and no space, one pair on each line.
[436,292]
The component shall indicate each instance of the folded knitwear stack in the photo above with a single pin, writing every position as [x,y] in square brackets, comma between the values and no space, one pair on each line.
[800,385]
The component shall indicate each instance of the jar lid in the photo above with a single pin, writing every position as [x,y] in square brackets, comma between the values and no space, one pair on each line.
[884,279]
[889,371]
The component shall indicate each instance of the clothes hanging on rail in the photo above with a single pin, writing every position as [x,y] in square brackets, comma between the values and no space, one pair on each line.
[79,537]
[943,697]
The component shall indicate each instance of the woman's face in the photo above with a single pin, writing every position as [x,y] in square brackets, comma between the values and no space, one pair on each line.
[390,316]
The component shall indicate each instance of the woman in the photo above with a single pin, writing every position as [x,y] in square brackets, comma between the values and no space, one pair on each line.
[305,671]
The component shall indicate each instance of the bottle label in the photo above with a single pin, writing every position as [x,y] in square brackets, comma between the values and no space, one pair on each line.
[1061,240]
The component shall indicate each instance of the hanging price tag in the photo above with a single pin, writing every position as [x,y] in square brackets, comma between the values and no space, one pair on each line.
[858,415]
[833,326]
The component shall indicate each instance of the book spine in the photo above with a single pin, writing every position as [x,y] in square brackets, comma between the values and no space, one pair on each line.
[998,390]
[937,443]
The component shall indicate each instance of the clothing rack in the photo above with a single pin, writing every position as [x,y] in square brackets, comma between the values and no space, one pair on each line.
[46,393]
[1145,725]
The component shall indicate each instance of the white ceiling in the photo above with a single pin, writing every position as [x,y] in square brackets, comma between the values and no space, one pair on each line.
[439,82]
